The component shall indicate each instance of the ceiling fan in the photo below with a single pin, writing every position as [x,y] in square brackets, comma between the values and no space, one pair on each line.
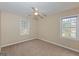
[37,14]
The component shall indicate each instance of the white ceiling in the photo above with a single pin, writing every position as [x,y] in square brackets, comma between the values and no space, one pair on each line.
[24,8]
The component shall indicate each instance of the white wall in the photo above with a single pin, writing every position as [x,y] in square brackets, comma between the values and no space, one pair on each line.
[10,30]
[46,29]
[0,30]
[49,29]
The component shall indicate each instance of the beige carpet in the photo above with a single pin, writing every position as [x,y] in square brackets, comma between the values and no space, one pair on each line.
[37,47]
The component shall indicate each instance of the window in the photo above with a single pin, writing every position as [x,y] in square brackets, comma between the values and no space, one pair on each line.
[69,27]
[24,26]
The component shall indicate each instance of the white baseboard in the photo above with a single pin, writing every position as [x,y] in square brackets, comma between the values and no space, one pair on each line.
[60,45]
[16,42]
[43,40]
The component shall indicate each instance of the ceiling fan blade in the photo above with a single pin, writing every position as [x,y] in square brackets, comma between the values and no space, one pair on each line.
[33,8]
[40,16]
[43,14]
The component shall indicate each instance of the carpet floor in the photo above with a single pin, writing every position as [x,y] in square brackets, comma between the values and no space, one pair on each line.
[37,47]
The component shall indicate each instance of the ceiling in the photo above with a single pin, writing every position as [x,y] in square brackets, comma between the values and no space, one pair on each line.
[24,8]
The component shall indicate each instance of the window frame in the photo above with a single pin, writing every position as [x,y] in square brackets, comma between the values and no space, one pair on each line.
[76,27]
[22,29]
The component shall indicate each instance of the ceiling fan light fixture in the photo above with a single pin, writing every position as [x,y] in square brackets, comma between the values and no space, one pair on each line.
[36,13]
